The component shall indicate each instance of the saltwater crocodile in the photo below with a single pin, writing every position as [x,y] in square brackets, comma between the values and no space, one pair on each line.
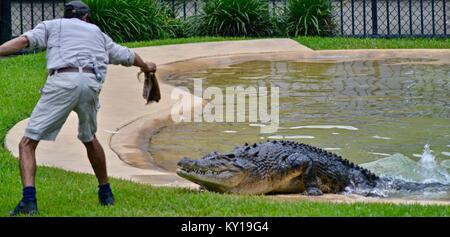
[288,167]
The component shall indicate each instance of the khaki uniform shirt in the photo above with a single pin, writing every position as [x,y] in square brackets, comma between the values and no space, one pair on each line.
[75,43]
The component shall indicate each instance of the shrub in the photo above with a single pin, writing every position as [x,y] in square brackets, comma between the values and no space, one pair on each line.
[308,17]
[278,22]
[132,20]
[232,18]
[173,27]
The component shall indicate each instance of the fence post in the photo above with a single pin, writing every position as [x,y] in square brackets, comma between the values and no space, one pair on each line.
[342,17]
[421,17]
[195,8]
[353,17]
[374,18]
[445,17]
[432,17]
[388,22]
[410,18]
[399,18]
[173,7]
[42,10]
[5,20]
[184,10]
[364,18]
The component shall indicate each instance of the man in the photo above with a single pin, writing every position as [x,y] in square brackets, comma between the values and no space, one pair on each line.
[77,56]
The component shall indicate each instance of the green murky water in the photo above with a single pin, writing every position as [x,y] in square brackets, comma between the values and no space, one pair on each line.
[362,110]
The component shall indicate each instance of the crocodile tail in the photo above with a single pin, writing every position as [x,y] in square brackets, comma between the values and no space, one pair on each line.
[403,185]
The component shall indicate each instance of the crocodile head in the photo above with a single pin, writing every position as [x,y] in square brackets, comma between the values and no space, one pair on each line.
[216,172]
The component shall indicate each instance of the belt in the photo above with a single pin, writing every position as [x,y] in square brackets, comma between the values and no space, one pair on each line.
[72,69]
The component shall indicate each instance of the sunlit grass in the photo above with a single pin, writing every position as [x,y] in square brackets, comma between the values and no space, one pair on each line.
[322,43]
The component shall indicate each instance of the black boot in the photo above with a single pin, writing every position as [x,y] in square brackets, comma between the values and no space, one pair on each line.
[105,195]
[25,207]
[106,199]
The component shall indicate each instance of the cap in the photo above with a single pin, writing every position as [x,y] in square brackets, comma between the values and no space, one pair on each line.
[77,8]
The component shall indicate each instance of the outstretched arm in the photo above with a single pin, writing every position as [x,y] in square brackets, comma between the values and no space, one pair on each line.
[13,45]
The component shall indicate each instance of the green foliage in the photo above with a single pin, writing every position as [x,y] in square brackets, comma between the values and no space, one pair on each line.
[133,20]
[232,18]
[138,20]
[174,27]
[307,17]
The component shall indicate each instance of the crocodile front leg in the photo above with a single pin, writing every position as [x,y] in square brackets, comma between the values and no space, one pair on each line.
[305,163]
[311,186]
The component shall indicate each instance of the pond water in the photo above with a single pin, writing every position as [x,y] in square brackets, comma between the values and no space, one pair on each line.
[362,110]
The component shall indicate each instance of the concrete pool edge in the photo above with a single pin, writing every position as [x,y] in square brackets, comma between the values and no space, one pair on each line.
[129,131]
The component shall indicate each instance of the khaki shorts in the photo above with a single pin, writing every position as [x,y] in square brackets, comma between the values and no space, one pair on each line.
[62,94]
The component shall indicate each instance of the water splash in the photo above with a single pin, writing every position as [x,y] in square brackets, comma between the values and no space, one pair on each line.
[426,170]
[427,160]
[398,166]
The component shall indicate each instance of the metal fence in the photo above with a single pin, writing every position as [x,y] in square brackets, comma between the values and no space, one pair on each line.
[19,16]
[364,18]
[360,18]
[391,18]
[184,9]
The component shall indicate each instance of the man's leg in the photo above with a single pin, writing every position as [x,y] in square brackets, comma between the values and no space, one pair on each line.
[87,109]
[96,156]
[58,98]
[27,160]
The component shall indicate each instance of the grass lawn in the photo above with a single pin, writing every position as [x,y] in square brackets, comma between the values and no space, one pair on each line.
[63,193]
[323,43]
